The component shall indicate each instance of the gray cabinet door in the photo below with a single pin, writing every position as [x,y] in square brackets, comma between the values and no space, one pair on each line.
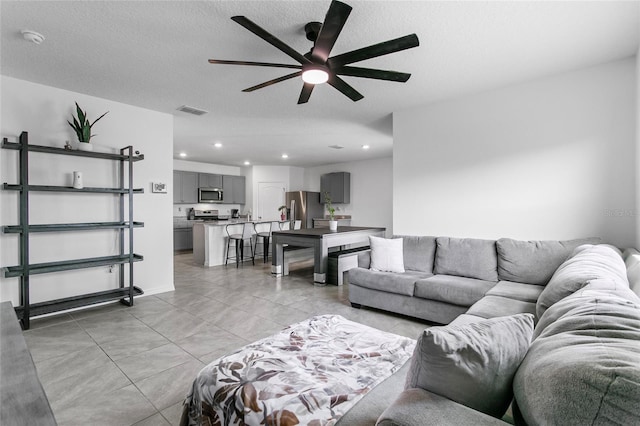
[208,180]
[239,190]
[338,185]
[183,239]
[177,187]
[189,187]
[234,189]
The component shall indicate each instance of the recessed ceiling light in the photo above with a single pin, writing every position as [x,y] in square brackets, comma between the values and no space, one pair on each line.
[32,36]
[183,154]
[217,145]
[246,163]
[285,156]
[365,146]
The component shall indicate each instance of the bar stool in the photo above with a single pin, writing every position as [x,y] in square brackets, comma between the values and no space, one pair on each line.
[239,239]
[263,230]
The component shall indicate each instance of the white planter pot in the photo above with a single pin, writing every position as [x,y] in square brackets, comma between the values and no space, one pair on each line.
[333,225]
[85,146]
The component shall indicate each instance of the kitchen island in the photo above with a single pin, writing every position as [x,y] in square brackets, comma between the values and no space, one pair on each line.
[210,240]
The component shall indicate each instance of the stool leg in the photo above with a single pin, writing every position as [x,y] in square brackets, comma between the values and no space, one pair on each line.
[238,253]
[253,254]
[227,258]
[266,249]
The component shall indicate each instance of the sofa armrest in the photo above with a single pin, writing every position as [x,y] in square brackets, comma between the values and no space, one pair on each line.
[364,259]
[421,407]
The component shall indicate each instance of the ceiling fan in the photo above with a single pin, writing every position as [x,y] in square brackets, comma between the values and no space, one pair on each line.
[316,67]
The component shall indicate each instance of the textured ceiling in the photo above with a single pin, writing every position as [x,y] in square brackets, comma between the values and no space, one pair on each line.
[154,55]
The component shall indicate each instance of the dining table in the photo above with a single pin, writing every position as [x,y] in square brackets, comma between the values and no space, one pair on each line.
[321,240]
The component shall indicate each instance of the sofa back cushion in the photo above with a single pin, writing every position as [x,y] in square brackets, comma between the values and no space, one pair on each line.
[533,262]
[419,252]
[584,367]
[467,257]
[588,263]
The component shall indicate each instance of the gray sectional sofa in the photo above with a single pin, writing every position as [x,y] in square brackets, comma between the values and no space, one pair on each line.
[583,364]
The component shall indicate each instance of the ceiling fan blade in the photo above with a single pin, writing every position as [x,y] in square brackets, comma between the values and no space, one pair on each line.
[274,81]
[375,50]
[257,64]
[345,88]
[375,74]
[270,38]
[334,21]
[305,94]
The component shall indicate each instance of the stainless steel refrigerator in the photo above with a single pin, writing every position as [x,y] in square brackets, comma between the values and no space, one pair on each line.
[304,206]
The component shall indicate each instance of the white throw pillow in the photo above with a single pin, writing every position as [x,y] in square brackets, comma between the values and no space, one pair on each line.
[386,254]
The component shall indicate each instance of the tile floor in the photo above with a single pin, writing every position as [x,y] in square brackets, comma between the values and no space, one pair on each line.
[117,365]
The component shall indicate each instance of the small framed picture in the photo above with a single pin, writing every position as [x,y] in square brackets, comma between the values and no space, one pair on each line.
[159,187]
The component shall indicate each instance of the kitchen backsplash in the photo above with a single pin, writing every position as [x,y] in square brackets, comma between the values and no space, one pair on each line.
[182,210]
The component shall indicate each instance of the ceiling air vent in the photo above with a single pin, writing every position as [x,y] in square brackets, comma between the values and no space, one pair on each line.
[336,146]
[192,110]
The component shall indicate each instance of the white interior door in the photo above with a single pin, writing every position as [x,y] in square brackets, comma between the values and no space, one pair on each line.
[271,195]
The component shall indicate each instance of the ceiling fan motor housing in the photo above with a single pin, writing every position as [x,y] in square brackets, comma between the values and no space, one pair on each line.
[312,29]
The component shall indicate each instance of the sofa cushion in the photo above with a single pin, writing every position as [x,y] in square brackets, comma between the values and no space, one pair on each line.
[584,367]
[420,407]
[498,306]
[472,364]
[386,254]
[587,263]
[466,257]
[451,289]
[609,291]
[419,252]
[517,291]
[390,282]
[632,262]
[533,262]
[466,319]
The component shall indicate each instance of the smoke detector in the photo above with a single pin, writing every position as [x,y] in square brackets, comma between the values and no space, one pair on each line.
[32,36]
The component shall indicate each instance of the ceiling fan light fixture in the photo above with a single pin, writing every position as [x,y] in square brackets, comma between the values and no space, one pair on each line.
[315,74]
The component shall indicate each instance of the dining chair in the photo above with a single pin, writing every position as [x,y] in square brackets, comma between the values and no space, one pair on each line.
[239,233]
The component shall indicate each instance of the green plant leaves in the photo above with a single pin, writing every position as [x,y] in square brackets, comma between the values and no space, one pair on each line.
[81,125]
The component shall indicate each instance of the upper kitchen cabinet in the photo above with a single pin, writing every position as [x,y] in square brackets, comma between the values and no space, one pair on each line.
[234,189]
[207,180]
[338,185]
[185,187]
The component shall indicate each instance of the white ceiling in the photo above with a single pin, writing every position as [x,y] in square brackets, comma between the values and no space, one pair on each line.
[154,55]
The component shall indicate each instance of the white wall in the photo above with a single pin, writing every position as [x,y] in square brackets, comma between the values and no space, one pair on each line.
[182,210]
[549,159]
[290,176]
[43,111]
[637,211]
[371,190]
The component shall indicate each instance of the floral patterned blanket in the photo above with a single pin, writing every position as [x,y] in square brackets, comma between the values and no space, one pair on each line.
[311,373]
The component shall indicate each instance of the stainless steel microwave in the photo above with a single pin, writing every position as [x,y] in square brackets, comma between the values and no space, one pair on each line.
[209,195]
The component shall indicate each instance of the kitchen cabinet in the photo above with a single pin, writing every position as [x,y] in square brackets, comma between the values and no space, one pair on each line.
[234,189]
[338,185]
[183,238]
[208,180]
[124,226]
[185,187]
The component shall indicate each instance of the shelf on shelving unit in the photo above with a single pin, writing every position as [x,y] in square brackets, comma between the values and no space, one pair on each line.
[77,301]
[61,227]
[55,150]
[68,265]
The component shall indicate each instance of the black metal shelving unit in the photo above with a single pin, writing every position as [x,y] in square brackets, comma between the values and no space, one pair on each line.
[125,258]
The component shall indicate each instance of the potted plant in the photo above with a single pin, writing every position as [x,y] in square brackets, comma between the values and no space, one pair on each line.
[82,127]
[333,223]
[283,212]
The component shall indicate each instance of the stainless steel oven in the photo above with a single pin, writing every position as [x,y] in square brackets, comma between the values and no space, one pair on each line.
[209,195]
